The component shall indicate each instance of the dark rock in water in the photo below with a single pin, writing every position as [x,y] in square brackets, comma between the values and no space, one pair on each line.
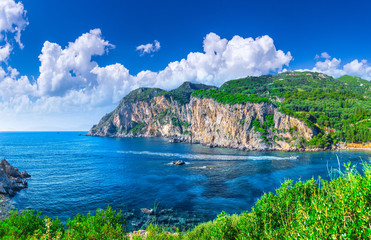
[11,180]
[179,162]
[212,145]
[147,211]
[174,140]
[24,174]
[177,140]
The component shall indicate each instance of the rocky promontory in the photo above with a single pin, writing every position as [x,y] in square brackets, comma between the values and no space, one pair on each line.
[289,111]
[182,117]
[11,179]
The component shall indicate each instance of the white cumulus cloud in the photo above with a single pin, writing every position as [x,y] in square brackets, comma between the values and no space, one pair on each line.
[69,69]
[221,60]
[12,20]
[149,47]
[333,67]
[71,85]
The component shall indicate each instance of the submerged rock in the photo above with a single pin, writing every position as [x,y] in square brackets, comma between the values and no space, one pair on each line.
[11,180]
[147,211]
[179,162]
[169,218]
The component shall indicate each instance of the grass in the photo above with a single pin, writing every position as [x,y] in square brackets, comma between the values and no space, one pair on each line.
[315,209]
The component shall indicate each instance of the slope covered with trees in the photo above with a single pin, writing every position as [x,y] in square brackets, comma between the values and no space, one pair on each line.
[340,108]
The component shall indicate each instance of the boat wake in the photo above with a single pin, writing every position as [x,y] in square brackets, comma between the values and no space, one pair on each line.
[207,157]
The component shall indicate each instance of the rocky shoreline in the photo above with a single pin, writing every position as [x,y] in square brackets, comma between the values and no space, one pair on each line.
[342,146]
[11,179]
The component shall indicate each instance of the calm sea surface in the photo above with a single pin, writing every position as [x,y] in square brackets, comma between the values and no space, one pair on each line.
[75,174]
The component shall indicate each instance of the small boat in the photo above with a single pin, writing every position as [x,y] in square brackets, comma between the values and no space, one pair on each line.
[292,157]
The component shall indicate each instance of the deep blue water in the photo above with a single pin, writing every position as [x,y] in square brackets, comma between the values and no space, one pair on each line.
[75,174]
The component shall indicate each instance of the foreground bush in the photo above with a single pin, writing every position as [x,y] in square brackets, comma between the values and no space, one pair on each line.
[105,224]
[316,209]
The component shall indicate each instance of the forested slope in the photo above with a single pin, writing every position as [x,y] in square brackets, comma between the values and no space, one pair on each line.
[339,108]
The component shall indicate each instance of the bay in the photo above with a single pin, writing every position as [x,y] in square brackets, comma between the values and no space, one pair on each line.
[76,174]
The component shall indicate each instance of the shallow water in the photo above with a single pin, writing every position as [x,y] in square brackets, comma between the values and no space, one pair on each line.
[75,174]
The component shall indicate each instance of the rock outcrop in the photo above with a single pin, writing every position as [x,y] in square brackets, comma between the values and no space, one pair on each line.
[11,179]
[178,162]
[251,126]
[231,126]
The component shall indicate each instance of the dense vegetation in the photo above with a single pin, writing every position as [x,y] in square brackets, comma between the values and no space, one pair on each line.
[140,94]
[338,108]
[316,209]
[182,94]
[228,98]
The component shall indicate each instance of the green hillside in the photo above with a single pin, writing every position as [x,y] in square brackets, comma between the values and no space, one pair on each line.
[340,108]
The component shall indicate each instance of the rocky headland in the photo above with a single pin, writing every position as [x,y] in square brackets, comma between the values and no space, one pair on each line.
[290,111]
[11,179]
[146,112]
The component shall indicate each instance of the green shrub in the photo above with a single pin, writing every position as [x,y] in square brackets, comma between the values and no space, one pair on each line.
[137,128]
[105,224]
[268,121]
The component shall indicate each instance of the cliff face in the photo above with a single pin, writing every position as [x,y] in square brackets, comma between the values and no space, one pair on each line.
[237,126]
[159,116]
[248,126]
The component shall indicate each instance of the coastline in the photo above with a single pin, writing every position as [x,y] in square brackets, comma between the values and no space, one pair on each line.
[5,206]
[177,139]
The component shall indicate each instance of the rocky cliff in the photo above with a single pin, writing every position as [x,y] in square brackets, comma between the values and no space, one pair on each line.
[248,126]
[148,112]
[11,180]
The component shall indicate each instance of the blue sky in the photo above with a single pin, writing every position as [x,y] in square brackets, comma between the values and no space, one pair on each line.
[69,94]
[305,28]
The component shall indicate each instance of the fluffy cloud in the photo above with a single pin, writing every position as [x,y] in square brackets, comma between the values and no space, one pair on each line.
[221,60]
[334,68]
[324,55]
[69,79]
[12,19]
[69,69]
[14,89]
[70,84]
[149,47]
[5,52]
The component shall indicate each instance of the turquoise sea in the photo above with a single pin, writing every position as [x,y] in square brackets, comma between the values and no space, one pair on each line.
[76,174]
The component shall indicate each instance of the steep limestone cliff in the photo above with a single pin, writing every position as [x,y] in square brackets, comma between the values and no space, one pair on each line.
[150,112]
[248,126]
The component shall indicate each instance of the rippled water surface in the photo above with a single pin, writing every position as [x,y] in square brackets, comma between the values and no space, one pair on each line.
[76,174]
